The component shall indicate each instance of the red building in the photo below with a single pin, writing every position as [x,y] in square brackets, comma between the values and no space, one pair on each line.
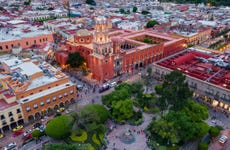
[109,54]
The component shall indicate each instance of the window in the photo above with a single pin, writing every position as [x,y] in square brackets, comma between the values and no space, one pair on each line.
[106,61]
[40,40]
[12,45]
[35,105]
[27,43]
[12,119]
[42,103]
[54,98]
[19,44]
[48,101]
[28,109]
[19,116]
[0,47]
[6,46]
[10,114]
[35,41]
[60,96]
[65,94]
[71,92]
[3,123]
[18,111]
[2,117]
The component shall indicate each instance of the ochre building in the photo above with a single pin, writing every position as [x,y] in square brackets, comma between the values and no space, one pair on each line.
[35,89]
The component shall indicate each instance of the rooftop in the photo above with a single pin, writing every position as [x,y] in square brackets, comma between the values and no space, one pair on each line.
[17,30]
[209,67]
[5,105]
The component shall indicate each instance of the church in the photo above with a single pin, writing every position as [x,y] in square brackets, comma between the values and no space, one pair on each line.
[110,53]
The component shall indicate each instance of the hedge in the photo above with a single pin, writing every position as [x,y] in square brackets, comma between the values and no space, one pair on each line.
[83,137]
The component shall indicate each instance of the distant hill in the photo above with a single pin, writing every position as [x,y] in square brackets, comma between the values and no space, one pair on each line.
[212,2]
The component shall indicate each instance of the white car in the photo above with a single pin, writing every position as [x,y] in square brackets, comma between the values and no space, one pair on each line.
[10,146]
[223,139]
[113,84]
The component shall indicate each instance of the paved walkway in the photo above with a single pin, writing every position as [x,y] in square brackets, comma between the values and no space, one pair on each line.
[140,139]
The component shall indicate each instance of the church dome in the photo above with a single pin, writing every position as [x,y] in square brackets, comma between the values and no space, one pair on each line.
[83,32]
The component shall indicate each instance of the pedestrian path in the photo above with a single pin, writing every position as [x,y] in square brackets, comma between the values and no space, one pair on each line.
[138,132]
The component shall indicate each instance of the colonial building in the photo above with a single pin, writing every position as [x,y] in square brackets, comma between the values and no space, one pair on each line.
[207,74]
[10,111]
[112,53]
[35,89]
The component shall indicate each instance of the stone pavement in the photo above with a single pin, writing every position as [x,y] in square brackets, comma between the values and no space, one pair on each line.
[140,139]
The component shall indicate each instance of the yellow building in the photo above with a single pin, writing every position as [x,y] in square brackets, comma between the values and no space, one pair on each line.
[34,89]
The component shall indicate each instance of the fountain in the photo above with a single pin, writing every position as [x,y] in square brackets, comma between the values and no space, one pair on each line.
[127,137]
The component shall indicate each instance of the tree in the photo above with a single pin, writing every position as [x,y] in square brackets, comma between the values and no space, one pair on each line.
[149,71]
[98,110]
[50,8]
[145,12]
[122,92]
[27,2]
[197,112]
[90,2]
[122,11]
[203,146]
[151,23]
[122,110]
[135,9]
[175,90]
[163,132]
[75,60]
[59,127]
[214,132]
[36,134]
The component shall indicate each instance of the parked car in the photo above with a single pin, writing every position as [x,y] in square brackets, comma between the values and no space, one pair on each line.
[223,139]
[1,136]
[61,109]
[119,82]
[17,133]
[27,137]
[10,146]
[17,128]
[113,84]
[105,87]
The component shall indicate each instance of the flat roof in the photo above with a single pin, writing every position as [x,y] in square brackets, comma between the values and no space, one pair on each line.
[4,105]
[26,68]
[20,31]
[209,67]
[45,92]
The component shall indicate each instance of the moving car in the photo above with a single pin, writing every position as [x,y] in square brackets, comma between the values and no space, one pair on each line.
[223,139]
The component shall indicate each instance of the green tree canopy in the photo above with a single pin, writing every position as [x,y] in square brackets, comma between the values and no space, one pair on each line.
[135,9]
[175,90]
[203,146]
[67,147]
[36,134]
[99,111]
[75,60]
[145,12]
[122,11]
[151,23]
[90,2]
[59,127]
[122,110]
